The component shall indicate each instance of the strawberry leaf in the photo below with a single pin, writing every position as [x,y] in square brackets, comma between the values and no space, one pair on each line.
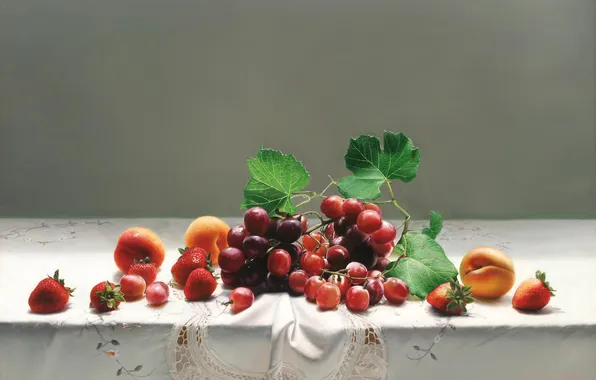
[424,265]
[435,227]
[372,166]
[274,178]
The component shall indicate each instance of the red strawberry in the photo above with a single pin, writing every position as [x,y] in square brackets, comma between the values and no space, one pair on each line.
[190,260]
[200,285]
[186,250]
[50,295]
[106,296]
[450,298]
[144,269]
[533,293]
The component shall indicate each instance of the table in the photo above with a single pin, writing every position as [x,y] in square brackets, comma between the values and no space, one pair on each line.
[283,337]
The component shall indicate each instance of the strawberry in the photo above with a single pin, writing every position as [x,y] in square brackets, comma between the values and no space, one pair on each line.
[106,296]
[144,269]
[191,259]
[533,293]
[200,285]
[50,295]
[187,250]
[450,298]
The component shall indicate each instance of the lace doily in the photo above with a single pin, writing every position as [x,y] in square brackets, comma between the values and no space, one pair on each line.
[189,356]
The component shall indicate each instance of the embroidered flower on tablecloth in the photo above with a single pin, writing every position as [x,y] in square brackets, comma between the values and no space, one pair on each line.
[111,348]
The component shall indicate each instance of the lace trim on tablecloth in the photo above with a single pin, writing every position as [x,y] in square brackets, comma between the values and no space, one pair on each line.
[190,357]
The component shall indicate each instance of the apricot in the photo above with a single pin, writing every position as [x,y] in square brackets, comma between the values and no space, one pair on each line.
[488,271]
[209,233]
[137,243]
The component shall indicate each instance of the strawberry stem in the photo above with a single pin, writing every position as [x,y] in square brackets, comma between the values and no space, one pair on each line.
[542,277]
[111,295]
[459,296]
[57,278]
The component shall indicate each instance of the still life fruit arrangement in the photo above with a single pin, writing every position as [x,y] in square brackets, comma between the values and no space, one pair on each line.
[351,255]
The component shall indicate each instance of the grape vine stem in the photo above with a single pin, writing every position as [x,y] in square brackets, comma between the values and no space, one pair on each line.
[401,209]
[310,195]
[316,227]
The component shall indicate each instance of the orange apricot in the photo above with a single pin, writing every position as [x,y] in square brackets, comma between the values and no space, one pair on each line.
[138,243]
[488,271]
[209,233]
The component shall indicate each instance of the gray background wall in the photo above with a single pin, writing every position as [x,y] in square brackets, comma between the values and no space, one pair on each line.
[150,108]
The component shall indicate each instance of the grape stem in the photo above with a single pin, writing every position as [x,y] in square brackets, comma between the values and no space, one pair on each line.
[310,195]
[316,227]
[399,257]
[319,242]
[307,192]
[314,213]
[401,209]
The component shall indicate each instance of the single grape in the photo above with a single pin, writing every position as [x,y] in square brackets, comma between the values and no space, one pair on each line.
[279,262]
[328,296]
[133,286]
[316,243]
[241,299]
[341,225]
[357,273]
[369,221]
[396,290]
[364,254]
[312,263]
[331,206]
[255,246]
[292,249]
[253,273]
[236,236]
[385,234]
[340,240]
[374,207]
[374,273]
[303,222]
[329,232]
[312,241]
[374,287]
[157,293]
[311,287]
[297,280]
[322,250]
[352,207]
[272,229]
[342,282]
[256,220]
[231,259]
[231,280]
[288,230]
[357,299]
[354,237]
[277,284]
[382,263]
[383,250]
[338,257]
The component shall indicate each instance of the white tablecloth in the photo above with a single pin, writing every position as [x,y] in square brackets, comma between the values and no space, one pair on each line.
[283,337]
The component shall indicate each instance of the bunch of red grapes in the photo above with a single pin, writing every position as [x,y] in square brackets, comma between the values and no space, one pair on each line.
[343,259]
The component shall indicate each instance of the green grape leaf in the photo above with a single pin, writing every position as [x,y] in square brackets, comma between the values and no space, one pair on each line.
[274,178]
[424,266]
[435,226]
[372,166]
